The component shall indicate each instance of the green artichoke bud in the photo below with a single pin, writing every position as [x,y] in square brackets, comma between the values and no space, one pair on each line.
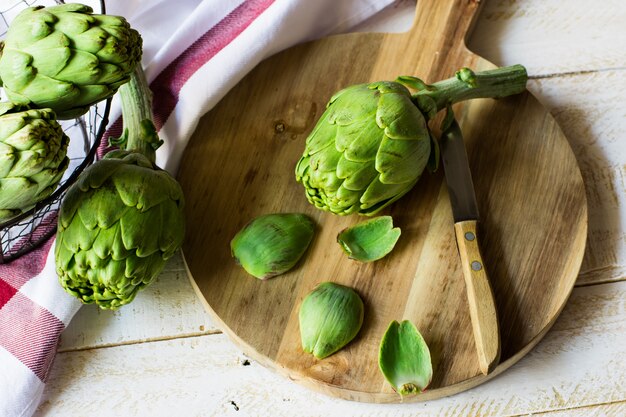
[372,143]
[370,240]
[330,317]
[33,157]
[272,244]
[118,225]
[66,58]
[123,217]
[404,358]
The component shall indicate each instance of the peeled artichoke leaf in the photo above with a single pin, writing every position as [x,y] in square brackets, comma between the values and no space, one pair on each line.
[330,317]
[404,358]
[370,240]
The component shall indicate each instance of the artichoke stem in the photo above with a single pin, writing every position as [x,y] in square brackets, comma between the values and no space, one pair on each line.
[139,130]
[466,85]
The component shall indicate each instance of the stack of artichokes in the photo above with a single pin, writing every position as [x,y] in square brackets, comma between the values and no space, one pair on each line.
[122,219]
[55,62]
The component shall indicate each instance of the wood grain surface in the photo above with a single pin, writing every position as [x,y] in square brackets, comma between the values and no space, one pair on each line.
[528,185]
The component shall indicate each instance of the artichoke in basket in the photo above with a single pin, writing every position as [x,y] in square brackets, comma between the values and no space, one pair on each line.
[123,218]
[372,143]
[66,58]
[33,157]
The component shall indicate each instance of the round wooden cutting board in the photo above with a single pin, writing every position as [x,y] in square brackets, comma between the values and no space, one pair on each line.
[240,164]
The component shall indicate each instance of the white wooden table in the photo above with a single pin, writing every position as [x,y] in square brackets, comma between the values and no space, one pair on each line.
[162,355]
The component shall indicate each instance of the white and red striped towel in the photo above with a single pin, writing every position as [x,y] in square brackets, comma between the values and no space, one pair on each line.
[195,51]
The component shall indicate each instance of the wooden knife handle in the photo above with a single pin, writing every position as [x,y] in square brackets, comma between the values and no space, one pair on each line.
[480,296]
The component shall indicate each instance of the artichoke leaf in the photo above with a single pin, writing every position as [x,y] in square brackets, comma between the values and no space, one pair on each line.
[404,358]
[402,161]
[101,209]
[370,240]
[140,230]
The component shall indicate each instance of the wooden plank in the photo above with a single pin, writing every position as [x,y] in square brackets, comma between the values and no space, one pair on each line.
[167,308]
[580,363]
[601,410]
[552,36]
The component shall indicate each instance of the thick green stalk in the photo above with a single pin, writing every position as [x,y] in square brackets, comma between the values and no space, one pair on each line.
[466,85]
[139,131]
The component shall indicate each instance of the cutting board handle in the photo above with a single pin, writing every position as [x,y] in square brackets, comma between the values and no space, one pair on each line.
[449,19]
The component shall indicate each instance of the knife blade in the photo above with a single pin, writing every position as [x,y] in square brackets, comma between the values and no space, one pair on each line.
[465,213]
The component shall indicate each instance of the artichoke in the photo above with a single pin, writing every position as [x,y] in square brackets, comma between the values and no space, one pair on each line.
[404,358]
[33,157]
[66,58]
[123,218]
[372,143]
[272,244]
[330,317]
[370,240]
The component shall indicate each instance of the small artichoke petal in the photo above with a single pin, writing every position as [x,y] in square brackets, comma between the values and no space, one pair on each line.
[370,240]
[140,192]
[272,244]
[404,358]
[330,317]
[323,137]
[171,238]
[110,244]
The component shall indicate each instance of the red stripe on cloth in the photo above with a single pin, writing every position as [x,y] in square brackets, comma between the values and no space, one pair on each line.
[18,272]
[30,333]
[6,292]
[167,85]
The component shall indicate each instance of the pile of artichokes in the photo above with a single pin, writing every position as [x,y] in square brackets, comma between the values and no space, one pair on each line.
[55,62]
[122,218]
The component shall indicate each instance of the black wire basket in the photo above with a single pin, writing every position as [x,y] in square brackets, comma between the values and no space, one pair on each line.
[23,233]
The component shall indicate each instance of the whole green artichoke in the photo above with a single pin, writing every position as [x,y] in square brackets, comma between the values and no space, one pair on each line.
[123,217]
[66,58]
[367,150]
[118,225]
[372,143]
[33,157]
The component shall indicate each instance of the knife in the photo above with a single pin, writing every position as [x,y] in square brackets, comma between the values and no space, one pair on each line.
[465,212]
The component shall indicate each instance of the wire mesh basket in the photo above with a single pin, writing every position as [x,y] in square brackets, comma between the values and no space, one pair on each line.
[23,233]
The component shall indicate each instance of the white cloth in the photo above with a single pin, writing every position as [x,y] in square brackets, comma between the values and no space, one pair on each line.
[194,52]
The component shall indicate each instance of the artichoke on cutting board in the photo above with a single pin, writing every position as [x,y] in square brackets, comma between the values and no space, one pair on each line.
[373,142]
